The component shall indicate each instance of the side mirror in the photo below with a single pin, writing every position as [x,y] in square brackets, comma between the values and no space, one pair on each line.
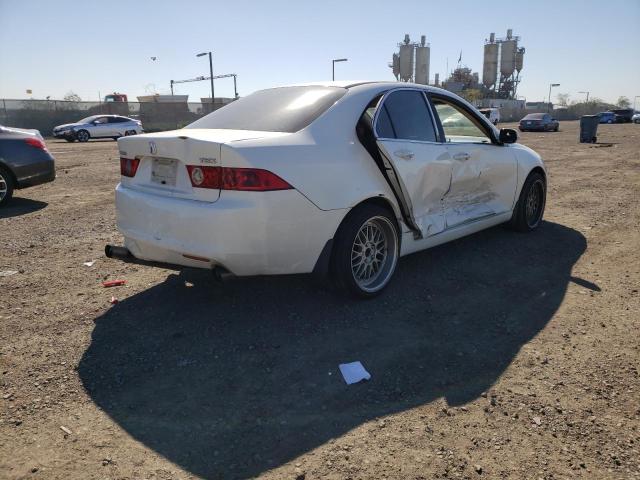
[508,135]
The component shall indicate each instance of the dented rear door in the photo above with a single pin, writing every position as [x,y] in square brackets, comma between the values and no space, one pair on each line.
[415,162]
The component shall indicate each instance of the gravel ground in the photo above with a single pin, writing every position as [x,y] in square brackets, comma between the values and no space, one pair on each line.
[500,355]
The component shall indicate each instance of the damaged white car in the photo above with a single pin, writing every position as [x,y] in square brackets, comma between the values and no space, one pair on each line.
[340,179]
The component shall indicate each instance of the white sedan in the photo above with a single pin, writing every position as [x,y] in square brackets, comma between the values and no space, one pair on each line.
[339,179]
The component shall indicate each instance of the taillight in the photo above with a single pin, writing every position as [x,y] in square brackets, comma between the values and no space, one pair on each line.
[241,179]
[129,166]
[36,143]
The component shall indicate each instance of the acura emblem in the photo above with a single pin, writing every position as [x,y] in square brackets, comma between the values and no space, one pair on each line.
[153,147]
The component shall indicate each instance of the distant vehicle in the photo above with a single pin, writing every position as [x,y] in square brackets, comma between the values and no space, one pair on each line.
[98,126]
[636,118]
[539,122]
[339,179]
[493,114]
[115,97]
[609,117]
[24,161]
[626,114]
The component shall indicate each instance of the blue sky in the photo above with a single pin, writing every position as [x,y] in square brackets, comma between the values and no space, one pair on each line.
[55,47]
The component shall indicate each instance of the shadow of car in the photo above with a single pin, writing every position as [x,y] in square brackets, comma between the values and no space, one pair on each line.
[232,381]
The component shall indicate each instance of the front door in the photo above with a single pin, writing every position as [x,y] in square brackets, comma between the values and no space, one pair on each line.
[483,174]
[417,164]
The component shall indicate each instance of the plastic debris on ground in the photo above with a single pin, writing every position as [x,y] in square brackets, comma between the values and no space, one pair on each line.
[113,283]
[89,264]
[114,300]
[353,372]
[6,273]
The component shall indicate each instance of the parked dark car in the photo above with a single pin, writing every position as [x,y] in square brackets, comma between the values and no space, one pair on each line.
[539,122]
[24,161]
[626,114]
[610,117]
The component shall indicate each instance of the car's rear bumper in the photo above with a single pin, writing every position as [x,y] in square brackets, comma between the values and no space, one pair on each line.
[246,233]
[36,173]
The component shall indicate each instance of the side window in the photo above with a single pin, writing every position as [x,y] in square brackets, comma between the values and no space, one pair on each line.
[458,124]
[405,116]
[101,120]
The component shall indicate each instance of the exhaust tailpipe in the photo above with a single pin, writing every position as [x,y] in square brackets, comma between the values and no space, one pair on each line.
[113,251]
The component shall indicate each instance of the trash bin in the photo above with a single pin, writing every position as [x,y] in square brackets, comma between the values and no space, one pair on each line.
[589,128]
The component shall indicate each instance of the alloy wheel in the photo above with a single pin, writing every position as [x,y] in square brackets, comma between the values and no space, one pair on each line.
[374,254]
[4,188]
[534,204]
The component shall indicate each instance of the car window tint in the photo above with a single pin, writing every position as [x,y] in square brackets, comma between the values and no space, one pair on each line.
[284,109]
[384,127]
[458,124]
[408,116]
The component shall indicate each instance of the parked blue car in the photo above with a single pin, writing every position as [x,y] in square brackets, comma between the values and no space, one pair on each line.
[609,117]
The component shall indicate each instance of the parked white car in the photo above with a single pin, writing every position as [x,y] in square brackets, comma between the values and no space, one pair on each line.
[493,114]
[337,178]
[98,126]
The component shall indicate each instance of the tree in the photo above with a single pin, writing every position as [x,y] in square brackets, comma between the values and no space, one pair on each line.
[71,96]
[623,102]
[563,99]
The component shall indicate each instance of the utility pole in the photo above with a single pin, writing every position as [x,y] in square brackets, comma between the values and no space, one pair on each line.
[333,66]
[587,100]
[213,95]
[549,102]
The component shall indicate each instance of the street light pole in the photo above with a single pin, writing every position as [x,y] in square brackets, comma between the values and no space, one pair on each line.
[587,100]
[333,66]
[213,95]
[549,102]
[634,102]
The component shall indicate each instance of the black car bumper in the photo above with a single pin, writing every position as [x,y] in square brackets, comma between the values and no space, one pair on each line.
[36,173]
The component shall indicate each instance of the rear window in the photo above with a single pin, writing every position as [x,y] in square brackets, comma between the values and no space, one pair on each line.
[534,116]
[286,109]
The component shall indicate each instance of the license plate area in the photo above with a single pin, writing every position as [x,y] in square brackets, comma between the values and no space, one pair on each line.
[164,171]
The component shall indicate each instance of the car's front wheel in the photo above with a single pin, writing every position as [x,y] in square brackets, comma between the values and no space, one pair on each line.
[6,187]
[528,212]
[366,251]
[82,136]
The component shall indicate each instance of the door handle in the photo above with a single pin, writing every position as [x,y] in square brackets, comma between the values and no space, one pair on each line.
[461,156]
[404,154]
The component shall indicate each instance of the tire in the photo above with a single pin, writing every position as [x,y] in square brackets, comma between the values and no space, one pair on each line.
[83,136]
[365,251]
[70,140]
[6,187]
[609,121]
[129,132]
[527,215]
[557,128]
[636,121]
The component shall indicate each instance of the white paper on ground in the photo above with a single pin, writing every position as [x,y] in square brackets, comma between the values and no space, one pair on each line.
[89,264]
[353,372]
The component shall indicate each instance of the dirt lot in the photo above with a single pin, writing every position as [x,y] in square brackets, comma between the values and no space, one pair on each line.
[501,355]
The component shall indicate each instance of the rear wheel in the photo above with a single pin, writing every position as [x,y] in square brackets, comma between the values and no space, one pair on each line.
[83,136]
[527,215]
[6,187]
[366,251]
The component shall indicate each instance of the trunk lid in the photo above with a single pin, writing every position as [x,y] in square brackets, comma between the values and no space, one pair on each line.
[164,158]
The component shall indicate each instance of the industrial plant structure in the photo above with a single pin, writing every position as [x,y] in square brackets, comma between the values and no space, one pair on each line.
[503,60]
[411,64]
[502,56]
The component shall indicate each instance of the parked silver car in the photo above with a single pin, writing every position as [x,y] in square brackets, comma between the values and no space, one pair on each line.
[98,126]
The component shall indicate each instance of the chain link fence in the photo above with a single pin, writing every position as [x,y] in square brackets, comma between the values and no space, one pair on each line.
[43,115]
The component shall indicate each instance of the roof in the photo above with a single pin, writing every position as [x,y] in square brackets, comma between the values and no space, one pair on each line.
[373,84]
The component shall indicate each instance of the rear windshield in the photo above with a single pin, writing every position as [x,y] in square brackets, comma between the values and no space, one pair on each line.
[534,116]
[286,109]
